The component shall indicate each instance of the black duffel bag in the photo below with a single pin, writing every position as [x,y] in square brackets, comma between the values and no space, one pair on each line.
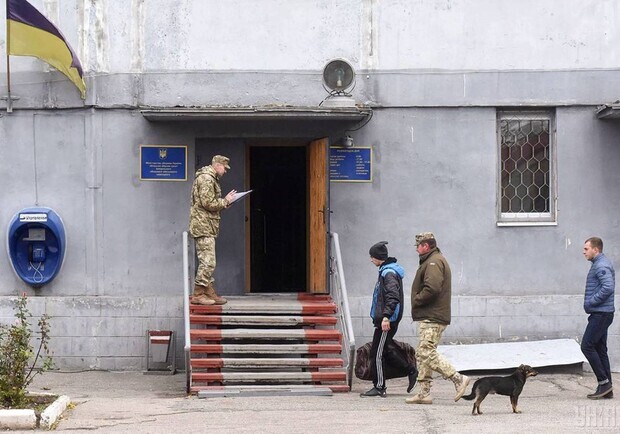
[363,362]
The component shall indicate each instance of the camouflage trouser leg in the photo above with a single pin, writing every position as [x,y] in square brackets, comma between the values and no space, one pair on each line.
[205,249]
[426,354]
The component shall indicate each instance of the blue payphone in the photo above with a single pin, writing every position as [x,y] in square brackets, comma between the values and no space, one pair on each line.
[36,245]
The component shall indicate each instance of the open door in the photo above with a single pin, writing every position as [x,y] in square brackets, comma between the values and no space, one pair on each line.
[318,216]
[287,221]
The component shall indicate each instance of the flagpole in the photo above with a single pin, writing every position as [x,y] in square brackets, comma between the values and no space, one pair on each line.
[9,100]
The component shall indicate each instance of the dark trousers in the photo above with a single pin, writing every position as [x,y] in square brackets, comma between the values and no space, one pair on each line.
[594,344]
[381,355]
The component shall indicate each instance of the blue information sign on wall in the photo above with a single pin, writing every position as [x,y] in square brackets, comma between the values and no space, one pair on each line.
[350,164]
[163,163]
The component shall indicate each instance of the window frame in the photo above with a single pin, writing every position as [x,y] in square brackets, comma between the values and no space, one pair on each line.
[528,218]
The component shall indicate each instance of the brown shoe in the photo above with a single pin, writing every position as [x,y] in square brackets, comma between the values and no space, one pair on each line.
[199,290]
[460,384]
[423,396]
[203,300]
[210,292]
[417,399]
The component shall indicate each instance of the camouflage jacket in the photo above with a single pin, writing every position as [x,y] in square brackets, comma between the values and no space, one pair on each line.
[207,202]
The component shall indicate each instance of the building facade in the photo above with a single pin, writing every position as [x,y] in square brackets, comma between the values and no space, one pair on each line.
[486,129]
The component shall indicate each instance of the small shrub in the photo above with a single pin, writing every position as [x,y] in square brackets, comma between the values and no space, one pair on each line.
[19,363]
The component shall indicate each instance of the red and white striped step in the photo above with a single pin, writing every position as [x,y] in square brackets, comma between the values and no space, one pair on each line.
[275,377]
[266,362]
[267,390]
[298,334]
[269,305]
[267,348]
[262,320]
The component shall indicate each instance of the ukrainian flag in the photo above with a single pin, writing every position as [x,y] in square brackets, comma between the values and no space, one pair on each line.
[29,33]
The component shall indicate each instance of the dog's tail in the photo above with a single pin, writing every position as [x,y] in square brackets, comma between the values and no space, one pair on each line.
[471,396]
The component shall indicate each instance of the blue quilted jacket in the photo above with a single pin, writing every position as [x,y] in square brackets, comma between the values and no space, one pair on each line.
[600,286]
[387,298]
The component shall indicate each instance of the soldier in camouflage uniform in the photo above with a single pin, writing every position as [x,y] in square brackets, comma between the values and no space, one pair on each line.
[431,296]
[204,226]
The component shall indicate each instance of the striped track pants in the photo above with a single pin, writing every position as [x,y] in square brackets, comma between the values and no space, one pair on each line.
[381,355]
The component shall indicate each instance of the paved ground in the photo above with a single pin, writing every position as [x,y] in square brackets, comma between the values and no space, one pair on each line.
[132,402]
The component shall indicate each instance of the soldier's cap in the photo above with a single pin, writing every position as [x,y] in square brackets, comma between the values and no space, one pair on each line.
[423,236]
[222,160]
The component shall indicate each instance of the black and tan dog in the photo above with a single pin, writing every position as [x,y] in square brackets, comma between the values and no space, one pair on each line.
[511,385]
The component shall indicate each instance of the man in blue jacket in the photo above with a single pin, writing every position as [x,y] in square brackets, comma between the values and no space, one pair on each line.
[599,303]
[386,312]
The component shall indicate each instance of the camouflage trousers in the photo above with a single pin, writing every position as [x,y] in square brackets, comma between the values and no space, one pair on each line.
[205,250]
[426,354]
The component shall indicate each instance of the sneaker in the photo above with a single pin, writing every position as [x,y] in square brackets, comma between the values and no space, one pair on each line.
[460,384]
[374,392]
[413,376]
[601,391]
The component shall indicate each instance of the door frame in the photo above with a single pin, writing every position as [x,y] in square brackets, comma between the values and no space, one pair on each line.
[317,211]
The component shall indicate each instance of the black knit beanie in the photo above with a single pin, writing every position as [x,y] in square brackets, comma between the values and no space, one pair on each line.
[379,251]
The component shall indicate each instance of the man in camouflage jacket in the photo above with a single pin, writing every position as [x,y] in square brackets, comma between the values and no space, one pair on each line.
[204,226]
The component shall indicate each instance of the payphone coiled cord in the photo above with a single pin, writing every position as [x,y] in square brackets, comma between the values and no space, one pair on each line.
[37,276]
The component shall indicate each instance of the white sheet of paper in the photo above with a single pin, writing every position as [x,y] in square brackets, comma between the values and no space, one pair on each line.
[240,195]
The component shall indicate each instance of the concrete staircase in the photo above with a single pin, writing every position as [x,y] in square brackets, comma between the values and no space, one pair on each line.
[267,344]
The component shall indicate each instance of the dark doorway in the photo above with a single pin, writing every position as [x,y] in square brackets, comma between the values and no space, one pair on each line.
[278,219]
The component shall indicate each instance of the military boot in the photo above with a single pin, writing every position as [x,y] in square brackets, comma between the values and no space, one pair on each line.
[210,293]
[423,396]
[460,384]
[200,296]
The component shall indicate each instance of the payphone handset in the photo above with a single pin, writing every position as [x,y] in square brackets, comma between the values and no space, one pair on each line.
[37,253]
[36,245]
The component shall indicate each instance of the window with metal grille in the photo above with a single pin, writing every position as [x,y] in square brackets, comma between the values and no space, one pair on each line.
[526,169]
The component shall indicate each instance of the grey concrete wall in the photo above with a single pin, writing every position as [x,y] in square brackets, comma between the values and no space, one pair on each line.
[435,170]
[435,72]
[113,36]
[123,269]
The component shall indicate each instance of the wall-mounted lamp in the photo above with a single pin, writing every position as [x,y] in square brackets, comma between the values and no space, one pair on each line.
[338,81]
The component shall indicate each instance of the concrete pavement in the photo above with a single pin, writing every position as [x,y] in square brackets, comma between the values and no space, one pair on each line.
[132,402]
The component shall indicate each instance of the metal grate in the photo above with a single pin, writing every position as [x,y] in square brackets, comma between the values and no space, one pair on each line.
[525,140]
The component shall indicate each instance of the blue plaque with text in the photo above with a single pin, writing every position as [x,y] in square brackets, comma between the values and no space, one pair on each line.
[163,163]
[350,164]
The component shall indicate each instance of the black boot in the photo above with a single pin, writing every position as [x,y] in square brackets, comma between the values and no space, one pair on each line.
[601,391]
[413,376]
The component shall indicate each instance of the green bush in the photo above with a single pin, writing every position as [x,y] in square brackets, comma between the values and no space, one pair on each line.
[19,364]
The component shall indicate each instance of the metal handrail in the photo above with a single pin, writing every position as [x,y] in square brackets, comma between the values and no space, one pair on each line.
[188,343]
[339,292]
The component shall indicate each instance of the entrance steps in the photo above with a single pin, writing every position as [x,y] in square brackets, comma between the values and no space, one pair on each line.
[267,344]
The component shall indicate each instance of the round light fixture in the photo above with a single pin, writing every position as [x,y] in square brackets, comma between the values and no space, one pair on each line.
[338,77]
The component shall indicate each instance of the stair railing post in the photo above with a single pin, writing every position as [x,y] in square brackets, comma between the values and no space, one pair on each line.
[341,289]
[188,345]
